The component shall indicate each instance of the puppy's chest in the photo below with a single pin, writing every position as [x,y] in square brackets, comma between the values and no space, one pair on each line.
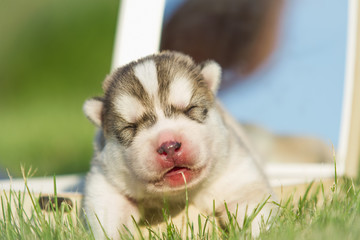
[161,218]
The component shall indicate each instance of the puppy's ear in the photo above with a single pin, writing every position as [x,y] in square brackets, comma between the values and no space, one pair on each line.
[92,109]
[211,72]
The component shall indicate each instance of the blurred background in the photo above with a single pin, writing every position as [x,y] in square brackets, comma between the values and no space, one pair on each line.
[53,56]
[283,73]
[283,68]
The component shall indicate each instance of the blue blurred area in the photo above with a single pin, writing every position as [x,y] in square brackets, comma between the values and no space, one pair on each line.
[170,7]
[300,89]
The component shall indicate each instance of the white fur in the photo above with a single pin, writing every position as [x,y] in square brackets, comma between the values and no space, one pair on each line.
[129,108]
[147,75]
[92,109]
[159,112]
[212,73]
[105,198]
[180,92]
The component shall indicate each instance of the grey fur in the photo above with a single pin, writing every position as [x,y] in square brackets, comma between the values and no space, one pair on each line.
[168,66]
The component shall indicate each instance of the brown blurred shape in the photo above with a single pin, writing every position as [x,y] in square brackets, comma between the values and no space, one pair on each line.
[238,34]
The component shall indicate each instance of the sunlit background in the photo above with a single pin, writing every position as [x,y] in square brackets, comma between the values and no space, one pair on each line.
[55,54]
[299,90]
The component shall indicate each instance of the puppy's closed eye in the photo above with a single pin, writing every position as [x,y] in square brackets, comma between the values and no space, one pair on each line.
[126,134]
[197,113]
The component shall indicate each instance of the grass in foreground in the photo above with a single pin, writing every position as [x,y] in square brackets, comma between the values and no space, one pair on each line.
[314,216]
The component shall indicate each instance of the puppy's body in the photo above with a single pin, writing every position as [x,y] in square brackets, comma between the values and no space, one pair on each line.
[161,129]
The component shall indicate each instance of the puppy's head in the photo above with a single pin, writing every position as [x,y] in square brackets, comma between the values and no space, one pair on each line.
[159,120]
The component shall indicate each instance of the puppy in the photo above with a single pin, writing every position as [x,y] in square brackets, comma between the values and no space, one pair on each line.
[161,135]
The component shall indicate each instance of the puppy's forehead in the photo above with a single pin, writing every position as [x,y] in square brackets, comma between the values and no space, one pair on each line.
[146,73]
[151,85]
[152,73]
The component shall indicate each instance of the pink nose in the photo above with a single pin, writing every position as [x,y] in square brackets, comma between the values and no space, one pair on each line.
[169,148]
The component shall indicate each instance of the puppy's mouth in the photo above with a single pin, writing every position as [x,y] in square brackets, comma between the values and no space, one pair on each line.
[178,176]
[176,170]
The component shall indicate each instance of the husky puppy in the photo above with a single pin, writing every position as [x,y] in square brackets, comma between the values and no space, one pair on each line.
[161,135]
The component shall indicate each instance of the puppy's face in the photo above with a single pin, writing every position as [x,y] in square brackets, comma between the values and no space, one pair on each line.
[159,115]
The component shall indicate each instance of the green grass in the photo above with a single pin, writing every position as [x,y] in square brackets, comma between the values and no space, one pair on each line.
[337,218]
[316,215]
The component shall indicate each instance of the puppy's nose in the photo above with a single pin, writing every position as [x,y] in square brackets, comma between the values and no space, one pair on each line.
[169,148]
